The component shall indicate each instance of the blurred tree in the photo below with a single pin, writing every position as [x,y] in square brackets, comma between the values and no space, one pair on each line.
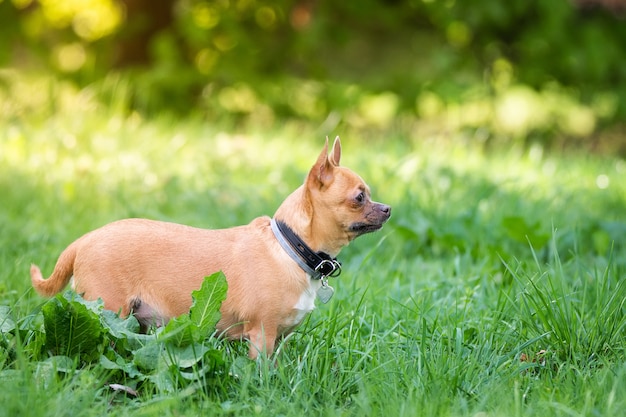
[308,58]
[615,6]
[145,19]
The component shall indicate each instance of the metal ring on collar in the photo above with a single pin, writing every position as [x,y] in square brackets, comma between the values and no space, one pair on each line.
[329,268]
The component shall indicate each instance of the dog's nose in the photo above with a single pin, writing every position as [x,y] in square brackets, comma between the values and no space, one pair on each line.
[385,209]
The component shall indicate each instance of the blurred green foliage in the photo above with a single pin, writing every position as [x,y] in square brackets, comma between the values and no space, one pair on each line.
[535,70]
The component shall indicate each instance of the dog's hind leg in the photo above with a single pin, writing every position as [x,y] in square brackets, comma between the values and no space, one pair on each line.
[146,315]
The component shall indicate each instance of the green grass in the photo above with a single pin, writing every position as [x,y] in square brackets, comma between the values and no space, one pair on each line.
[496,289]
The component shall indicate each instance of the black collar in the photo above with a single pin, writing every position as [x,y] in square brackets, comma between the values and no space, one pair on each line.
[318,265]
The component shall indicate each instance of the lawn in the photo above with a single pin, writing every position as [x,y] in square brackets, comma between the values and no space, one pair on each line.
[496,289]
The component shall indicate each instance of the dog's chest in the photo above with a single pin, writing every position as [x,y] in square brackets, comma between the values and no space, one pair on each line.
[304,305]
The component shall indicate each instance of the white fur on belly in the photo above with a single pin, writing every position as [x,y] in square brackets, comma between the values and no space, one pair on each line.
[305,304]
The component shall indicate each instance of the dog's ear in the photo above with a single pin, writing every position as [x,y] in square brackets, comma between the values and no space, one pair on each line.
[335,155]
[322,172]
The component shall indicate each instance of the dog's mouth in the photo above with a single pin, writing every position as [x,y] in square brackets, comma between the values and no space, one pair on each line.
[361,228]
[377,216]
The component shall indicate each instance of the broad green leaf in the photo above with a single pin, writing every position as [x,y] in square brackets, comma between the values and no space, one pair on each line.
[95,306]
[147,357]
[179,331]
[47,371]
[56,364]
[119,327]
[121,364]
[125,331]
[205,311]
[7,324]
[72,330]
[164,382]
[203,315]
[185,357]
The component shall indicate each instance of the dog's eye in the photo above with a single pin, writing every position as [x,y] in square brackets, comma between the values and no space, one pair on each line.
[360,198]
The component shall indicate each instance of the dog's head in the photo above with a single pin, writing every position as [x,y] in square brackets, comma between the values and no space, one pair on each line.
[340,202]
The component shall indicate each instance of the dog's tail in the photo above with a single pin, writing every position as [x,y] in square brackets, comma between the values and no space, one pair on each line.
[60,276]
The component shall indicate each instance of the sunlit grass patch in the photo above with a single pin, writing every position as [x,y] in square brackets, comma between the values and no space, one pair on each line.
[581,312]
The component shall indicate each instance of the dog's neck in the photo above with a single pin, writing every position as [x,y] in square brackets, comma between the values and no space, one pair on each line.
[318,265]
[297,211]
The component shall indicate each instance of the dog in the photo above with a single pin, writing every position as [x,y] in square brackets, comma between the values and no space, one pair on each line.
[275,267]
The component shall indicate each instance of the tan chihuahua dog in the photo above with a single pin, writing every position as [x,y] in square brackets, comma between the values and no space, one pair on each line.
[275,268]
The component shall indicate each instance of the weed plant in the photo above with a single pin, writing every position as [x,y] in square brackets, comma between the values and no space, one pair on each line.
[496,289]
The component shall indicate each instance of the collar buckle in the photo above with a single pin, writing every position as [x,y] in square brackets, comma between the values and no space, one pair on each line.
[329,268]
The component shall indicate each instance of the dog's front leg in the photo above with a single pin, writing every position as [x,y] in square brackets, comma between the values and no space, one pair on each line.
[262,338]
